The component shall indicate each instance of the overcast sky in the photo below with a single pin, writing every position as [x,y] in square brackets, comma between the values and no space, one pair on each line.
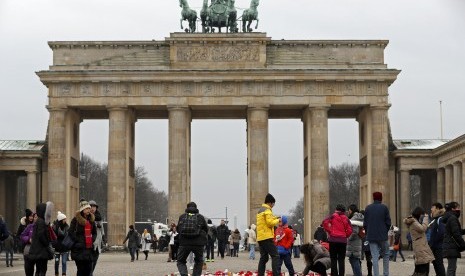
[427,43]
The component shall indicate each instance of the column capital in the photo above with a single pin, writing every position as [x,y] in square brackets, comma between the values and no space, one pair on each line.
[117,107]
[178,107]
[56,108]
[319,106]
[258,107]
[380,106]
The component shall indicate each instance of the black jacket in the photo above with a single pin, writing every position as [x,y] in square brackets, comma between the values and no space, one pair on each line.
[40,236]
[201,239]
[76,230]
[453,241]
[223,232]
[60,230]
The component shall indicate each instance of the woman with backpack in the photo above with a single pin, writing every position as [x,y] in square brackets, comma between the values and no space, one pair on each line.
[211,239]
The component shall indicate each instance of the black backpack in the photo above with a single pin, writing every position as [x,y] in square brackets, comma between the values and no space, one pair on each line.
[189,225]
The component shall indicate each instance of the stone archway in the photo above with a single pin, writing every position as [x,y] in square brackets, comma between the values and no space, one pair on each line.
[247,76]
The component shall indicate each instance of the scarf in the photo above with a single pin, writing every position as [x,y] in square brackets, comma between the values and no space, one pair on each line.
[88,234]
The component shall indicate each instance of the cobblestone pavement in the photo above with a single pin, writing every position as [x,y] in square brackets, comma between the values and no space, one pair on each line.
[119,264]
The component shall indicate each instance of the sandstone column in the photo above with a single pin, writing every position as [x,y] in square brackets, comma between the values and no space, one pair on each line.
[379,150]
[449,188]
[440,185]
[179,190]
[457,182]
[120,174]
[57,178]
[31,201]
[404,201]
[316,166]
[257,159]
[3,197]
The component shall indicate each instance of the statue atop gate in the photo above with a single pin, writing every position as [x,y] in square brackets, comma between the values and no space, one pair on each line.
[219,14]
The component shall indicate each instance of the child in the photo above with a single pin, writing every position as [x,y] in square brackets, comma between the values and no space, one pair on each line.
[284,237]
[316,258]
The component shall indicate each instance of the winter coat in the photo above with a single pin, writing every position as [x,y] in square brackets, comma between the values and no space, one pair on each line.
[320,234]
[297,240]
[222,232]
[266,222]
[9,243]
[26,235]
[212,233]
[79,252]
[60,230]
[133,239]
[453,241]
[252,239]
[318,254]
[3,231]
[144,238]
[338,227]
[378,220]
[236,237]
[354,242]
[284,237]
[100,232]
[201,239]
[40,235]
[437,236]
[22,225]
[421,249]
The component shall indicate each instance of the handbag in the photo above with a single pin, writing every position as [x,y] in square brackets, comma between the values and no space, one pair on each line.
[67,242]
[396,247]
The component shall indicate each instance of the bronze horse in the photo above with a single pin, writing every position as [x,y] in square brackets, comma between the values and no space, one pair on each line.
[249,15]
[188,14]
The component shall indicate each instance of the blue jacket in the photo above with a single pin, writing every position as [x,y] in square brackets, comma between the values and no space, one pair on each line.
[3,230]
[377,222]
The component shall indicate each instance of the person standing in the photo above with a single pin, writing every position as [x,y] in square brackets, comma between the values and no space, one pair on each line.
[398,245]
[193,230]
[339,229]
[266,222]
[173,244]
[354,242]
[8,246]
[453,241]
[376,223]
[23,223]
[297,243]
[236,239]
[211,239]
[38,252]
[133,241]
[99,240]
[223,234]
[83,231]
[418,224]
[284,237]
[61,229]
[252,241]
[146,241]
[438,228]
[26,238]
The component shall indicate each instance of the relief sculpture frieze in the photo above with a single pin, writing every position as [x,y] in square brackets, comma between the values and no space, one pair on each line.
[218,54]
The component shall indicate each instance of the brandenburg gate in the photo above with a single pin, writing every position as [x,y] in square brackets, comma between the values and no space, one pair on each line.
[227,76]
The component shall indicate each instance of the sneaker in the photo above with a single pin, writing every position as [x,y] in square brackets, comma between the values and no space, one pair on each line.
[212,260]
[207,260]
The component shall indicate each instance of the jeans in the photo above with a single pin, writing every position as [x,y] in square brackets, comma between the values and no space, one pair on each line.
[235,249]
[64,259]
[210,249]
[337,253]
[183,253]
[296,251]
[452,266]
[394,254]
[287,262]
[377,248]
[438,262]
[132,252]
[252,251]
[267,247]
[356,265]
[9,256]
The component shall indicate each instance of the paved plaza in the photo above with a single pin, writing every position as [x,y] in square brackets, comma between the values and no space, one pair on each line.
[119,264]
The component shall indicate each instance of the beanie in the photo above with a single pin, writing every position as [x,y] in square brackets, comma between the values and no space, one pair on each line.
[61,216]
[28,213]
[269,199]
[378,196]
[284,220]
[83,205]
[209,221]
[191,205]
[93,203]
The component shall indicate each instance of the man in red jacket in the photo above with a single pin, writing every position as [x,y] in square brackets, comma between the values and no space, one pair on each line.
[284,237]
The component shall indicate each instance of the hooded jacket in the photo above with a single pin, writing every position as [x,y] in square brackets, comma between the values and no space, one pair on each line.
[252,239]
[354,242]
[76,230]
[453,241]
[338,227]
[421,249]
[437,236]
[201,239]
[40,235]
[266,222]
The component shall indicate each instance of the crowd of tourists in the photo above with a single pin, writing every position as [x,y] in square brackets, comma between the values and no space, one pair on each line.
[346,233]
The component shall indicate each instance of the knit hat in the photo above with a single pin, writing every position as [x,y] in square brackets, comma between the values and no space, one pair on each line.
[284,220]
[191,205]
[61,216]
[269,199]
[83,205]
[93,203]
[28,213]
[377,196]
